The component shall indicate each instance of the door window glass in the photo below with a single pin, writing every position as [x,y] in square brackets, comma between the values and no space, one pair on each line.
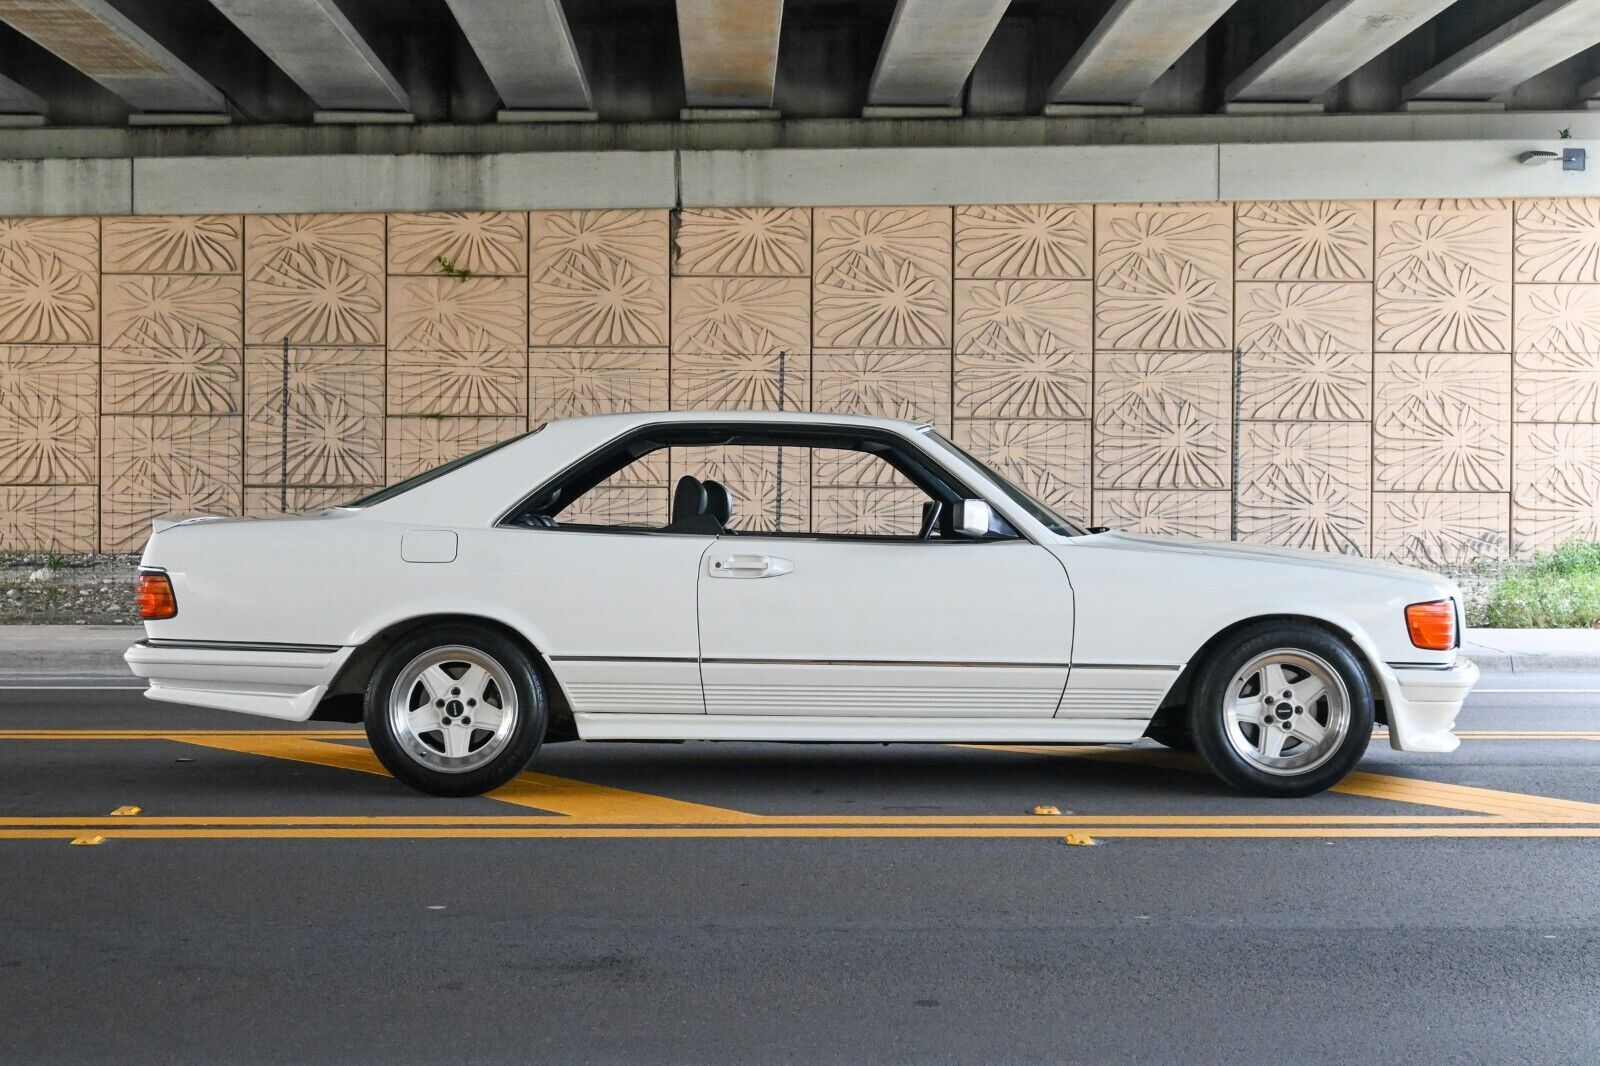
[770,489]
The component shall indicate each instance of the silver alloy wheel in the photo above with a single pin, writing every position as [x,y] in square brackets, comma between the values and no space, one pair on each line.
[1286,712]
[453,709]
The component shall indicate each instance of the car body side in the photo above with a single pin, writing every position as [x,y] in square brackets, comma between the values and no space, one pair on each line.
[275,614]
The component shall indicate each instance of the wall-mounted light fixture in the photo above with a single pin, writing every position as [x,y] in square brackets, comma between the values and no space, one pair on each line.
[1570,158]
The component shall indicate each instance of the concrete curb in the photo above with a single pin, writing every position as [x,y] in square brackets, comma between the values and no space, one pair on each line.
[66,653]
[1521,651]
[91,652]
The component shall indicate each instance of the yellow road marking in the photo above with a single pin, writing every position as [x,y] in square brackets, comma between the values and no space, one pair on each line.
[1528,734]
[982,820]
[601,803]
[1467,798]
[1514,805]
[562,795]
[799,832]
[585,810]
[125,812]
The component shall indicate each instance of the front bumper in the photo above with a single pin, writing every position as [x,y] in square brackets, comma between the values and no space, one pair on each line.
[284,681]
[1423,702]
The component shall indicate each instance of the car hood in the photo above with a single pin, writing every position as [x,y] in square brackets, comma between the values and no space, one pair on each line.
[1263,553]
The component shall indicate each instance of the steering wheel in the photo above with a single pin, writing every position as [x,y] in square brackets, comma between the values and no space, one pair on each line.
[931,512]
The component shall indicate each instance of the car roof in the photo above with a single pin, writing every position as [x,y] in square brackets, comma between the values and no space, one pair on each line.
[622,422]
[481,490]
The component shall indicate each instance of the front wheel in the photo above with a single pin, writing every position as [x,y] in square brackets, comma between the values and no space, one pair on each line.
[1282,709]
[455,710]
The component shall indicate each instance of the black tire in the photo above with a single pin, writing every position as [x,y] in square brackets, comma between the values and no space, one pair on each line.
[516,748]
[1208,720]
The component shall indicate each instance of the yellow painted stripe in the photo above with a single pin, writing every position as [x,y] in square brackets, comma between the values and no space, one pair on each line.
[562,795]
[1467,798]
[601,803]
[1513,805]
[268,821]
[1527,734]
[820,832]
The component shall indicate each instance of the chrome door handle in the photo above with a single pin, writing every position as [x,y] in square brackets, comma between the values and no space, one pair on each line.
[749,566]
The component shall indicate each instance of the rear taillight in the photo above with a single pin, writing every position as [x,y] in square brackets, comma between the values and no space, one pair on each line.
[156,600]
[1432,625]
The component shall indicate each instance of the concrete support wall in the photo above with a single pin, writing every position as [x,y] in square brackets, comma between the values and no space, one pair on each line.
[1417,379]
[445,169]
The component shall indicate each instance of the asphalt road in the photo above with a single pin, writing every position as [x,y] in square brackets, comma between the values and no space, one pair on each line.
[272,901]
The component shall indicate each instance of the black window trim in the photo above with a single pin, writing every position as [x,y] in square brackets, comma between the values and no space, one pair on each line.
[905,442]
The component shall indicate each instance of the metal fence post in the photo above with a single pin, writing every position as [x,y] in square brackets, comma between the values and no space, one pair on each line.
[777,496]
[283,440]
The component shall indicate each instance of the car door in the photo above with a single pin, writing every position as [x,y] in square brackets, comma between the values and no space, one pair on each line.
[872,626]
[619,595]
[622,633]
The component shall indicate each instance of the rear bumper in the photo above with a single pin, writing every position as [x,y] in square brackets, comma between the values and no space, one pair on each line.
[284,681]
[1423,703]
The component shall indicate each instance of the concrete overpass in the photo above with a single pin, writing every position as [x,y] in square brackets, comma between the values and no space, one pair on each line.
[75,63]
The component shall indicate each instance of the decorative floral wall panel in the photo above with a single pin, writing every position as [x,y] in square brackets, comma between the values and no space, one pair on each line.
[1414,379]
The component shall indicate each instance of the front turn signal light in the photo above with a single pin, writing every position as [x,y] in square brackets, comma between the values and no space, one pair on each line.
[156,600]
[1432,625]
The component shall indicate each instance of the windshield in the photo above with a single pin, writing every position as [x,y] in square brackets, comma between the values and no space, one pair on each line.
[1039,511]
[426,476]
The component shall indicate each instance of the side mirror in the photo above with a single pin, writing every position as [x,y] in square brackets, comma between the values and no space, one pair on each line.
[973,518]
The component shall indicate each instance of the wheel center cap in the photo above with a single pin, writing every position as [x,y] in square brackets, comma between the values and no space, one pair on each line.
[453,708]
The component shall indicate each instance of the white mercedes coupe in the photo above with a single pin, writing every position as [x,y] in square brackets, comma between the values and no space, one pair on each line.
[808,577]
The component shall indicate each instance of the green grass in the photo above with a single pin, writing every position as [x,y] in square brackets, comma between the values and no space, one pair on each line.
[1558,590]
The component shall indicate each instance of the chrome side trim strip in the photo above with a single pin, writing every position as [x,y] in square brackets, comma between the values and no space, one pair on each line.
[622,659]
[818,662]
[1127,666]
[241,645]
[883,662]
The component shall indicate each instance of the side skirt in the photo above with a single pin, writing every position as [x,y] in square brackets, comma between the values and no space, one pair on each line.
[827,728]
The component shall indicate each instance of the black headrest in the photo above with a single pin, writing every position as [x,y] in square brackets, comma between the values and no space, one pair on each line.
[719,502]
[688,499]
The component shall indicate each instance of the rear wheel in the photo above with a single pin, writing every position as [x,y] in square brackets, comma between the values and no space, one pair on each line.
[1282,709]
[455,710]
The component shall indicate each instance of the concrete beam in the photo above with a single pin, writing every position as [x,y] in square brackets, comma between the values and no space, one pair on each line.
[512,181]
[106,45]
[1524,47]
[15,100]
[930,51]
[1468,156]
[622,138]
[527,49]
[1131,47]
[825,177]
[1394,170]
[1342,37]
[66,187]
[314,43]
[730,51]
